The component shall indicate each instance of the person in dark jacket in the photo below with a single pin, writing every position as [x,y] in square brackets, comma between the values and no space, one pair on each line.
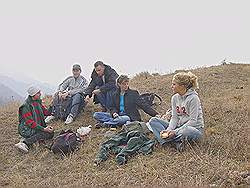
[102,85]
[124,106]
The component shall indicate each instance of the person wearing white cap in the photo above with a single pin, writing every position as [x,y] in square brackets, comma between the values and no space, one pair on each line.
[32,126]
[72,89]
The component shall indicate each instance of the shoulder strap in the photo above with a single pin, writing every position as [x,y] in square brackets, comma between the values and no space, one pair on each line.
[158,98]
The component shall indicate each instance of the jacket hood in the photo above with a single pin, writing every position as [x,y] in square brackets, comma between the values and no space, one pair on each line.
[189,92]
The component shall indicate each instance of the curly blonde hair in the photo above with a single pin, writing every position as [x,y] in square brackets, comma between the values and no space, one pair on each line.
[187,79]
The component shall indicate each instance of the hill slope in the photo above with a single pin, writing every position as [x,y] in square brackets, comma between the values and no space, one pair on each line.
[221,158]
[8,95]
[20,86]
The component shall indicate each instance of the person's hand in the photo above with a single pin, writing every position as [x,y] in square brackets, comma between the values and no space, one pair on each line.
[43,102]
[60,94]
[115,115]
[89,100]
[96,91]
[167,134]
[48,129]
[158,115]
[64,95]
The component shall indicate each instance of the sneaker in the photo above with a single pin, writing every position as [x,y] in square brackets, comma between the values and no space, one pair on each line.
[22,147]
[69,119]
[49,118]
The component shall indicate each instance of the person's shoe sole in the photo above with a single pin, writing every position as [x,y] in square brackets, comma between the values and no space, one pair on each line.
[21,149]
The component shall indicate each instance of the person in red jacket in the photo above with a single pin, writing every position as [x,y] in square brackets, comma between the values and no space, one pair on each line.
[32,126]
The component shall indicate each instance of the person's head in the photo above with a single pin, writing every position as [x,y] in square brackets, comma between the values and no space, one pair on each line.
[76,70]
[34,92]
[184,81]
[99,68]
[123,82]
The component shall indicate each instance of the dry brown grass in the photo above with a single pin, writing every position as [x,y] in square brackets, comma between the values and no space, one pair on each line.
[218,160]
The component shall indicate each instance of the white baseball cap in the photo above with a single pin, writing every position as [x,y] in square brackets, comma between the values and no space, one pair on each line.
[32,90]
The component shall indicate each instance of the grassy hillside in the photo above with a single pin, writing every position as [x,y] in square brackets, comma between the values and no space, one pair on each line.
[220,159]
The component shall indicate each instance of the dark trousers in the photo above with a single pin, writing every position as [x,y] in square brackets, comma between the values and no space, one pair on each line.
[105,98]
[39,136]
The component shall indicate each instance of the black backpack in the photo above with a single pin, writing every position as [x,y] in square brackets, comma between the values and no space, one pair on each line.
[66,142]
[149,98]
[61,108]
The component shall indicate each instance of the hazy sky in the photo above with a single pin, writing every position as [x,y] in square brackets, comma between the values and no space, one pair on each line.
[43,39]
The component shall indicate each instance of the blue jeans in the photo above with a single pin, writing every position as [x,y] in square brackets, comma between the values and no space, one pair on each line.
[77,104]
[189,133]
[107,119]
[105,98]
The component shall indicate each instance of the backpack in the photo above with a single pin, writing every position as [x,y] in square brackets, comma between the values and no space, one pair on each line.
[61,108]
[149,98]
[66,142]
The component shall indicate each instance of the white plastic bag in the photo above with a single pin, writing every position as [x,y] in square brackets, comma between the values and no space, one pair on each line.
[83,131]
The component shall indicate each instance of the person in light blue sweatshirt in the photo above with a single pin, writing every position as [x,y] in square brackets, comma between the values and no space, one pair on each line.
[186,123]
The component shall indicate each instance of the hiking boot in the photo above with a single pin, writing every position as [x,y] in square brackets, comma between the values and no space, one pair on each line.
[22,147]
[49,118]
[69,119]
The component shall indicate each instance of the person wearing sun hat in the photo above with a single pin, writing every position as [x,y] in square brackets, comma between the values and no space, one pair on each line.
[32,126]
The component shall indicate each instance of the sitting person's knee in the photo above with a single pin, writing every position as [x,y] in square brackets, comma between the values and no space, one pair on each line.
[77,96]
[96,115]
[190,133]
[153,119]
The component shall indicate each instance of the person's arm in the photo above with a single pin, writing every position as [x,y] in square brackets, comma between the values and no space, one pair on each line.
[64,85]
[110,83]
[145,107]
[28,119]
[174,119]
[45,111]
[194,105]
[81,88]
[113,108]
[92,85]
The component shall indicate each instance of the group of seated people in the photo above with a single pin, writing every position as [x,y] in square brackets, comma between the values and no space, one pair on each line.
[119,106]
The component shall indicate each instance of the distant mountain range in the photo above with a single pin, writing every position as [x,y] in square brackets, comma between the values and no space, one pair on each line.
[16,90]
[8,95]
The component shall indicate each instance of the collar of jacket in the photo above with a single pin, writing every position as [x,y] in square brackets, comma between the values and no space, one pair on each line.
[29,100]
[118,91]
